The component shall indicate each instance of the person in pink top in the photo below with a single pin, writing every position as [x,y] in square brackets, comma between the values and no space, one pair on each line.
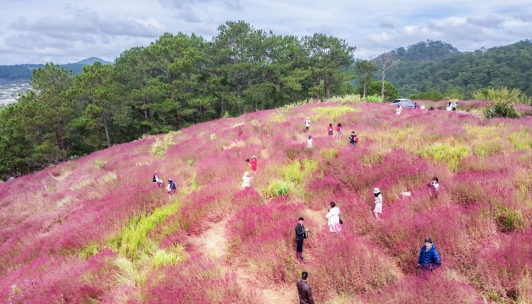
[338,131]
[330,130]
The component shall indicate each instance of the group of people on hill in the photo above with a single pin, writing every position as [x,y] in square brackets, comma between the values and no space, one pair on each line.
[429,259]
[171,187]
[353,138]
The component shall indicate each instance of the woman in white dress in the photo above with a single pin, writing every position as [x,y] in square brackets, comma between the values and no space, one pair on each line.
[246,180]
[378,203]
[333,215]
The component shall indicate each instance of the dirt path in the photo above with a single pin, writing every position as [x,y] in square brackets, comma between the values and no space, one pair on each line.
[213,242]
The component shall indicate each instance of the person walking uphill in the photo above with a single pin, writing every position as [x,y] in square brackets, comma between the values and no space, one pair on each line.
[301,235]
[338,131]
[307,124]
[303,289]
[333,215]
[330,130]
[429,258]
[378,203]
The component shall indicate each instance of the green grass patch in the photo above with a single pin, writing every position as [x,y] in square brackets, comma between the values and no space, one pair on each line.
[442,152]
[329,154]
[159,147]
[100,164]
[165,257]
[279,187]
[133,237]
[90,250]
[521,140]
[332,113]
[296,171]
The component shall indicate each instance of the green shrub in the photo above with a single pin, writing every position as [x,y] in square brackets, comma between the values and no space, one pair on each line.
[160,146]
[100,164]
[433,95]
[509,219]
[90,250]
[164,257]
[279,187]
[374,98]
[500,109]
[332,112]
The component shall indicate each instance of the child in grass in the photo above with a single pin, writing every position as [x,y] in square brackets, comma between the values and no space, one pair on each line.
[330,130]
[378,203]
[333,215]
[309,142]
[246,180]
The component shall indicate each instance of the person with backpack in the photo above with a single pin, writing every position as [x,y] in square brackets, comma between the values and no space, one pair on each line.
[171,188]
[333,216]
[378,203]
[301,235]
[309,142]
[353,139]
[157,180]
[307,124]
[303,290]
[338,131]
[330,130]
[429,258]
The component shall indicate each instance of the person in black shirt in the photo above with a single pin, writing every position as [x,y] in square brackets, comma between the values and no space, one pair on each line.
[301,235]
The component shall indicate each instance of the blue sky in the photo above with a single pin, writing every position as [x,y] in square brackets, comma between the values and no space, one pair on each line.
[60,31]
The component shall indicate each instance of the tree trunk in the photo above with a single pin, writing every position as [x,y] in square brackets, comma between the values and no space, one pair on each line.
[105,125]
[364,93]
[382,86]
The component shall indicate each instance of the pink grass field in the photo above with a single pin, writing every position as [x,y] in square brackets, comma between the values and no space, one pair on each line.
[214,242]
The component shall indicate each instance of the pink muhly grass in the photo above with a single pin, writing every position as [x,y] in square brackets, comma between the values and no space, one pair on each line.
[198,280]
[265,236]
[346,265]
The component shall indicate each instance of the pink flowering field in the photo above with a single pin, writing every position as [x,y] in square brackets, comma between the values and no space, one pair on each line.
[97,230]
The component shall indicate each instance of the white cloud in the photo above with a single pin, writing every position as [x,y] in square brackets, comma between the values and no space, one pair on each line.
[35,31]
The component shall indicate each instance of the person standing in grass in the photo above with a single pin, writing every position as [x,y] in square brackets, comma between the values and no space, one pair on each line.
[330,130]
[307,124]
[333,215]
[338,131]
[399,109]
[309,142]
[434,186]
[240,132]
[378,203]
[301,235]
[429,258]
[246,180]
[353,139]
[303,289]
[253,164]
[157,180]
[171,187]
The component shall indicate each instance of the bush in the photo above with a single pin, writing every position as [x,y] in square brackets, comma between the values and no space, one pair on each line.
[499,109]
[332,113]
[374,98]
[449,154]
[160,146]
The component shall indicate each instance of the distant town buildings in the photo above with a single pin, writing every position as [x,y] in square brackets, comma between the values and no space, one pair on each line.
[9,93]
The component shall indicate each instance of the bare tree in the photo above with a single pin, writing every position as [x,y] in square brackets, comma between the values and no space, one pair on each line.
[384,62]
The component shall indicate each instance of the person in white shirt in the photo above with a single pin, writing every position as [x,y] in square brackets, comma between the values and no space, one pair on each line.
[309,142]
[333,215]
[434,187]
[307,124]
[399,109]
[246,180]
[157,180]
[378,203]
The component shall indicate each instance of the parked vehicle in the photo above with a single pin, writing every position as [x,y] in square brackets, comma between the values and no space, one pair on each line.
[404,102]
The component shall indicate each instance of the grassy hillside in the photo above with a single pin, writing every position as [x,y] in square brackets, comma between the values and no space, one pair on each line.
[97,230]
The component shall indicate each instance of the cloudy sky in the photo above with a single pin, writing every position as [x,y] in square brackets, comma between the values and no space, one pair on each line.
[63,31]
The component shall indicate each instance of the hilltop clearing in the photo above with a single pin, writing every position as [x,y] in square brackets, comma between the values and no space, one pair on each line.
[97,230]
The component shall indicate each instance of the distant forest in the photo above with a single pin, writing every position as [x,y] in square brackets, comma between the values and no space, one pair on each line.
[174,82]
[437,66]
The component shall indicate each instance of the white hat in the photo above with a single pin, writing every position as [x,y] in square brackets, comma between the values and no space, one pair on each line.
[253,156]
[376,190]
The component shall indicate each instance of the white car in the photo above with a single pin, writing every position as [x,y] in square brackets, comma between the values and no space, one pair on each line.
[404,102]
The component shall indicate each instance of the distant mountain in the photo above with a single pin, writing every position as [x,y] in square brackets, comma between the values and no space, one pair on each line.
[23,72]
[90,61]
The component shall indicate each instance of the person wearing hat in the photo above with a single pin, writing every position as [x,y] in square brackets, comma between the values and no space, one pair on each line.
[171,186]
[301,235]
[378,203]
[429,258]
[303,289]
[246,180]
[253,164]
[333,215]
[307,124]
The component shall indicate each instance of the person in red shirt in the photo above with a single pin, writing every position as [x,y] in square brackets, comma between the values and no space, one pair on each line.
[330,130]
[338,131]
[253,164]
[240,132]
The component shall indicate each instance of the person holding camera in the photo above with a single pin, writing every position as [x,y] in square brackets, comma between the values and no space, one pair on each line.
[301,235]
